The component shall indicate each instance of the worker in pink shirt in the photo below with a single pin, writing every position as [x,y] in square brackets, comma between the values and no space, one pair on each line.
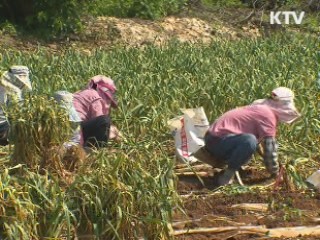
[234,137]
[93,105]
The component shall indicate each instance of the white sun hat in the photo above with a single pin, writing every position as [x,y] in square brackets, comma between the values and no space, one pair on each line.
[17,77]
[15,81]
[282,104]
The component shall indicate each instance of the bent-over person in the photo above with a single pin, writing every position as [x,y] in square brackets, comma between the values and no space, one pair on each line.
[235,136]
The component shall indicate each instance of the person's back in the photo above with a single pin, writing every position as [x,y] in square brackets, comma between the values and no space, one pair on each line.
[65,100]
[234,137]
[89,104]
[258,120]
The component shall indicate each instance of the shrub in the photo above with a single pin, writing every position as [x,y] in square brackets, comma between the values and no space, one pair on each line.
[223,3]
[150,9]
[59,17]
[55,17]
[270,4]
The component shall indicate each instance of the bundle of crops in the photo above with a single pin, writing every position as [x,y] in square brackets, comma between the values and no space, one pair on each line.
[38,127]
[33,206]
[17,218]
[124,197]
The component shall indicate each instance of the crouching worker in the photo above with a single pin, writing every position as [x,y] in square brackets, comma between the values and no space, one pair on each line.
[65,100]
[94,107]
[73,152]
[13,84]
[235,136]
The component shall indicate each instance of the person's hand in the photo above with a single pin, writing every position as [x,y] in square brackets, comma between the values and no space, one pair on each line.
[115,134]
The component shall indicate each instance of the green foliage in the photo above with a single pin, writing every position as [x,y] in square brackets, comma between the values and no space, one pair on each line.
[268,3]
[154,83]
[117,196]
[17,218]
[8,28]
[150,9]
[313,5]
[124,196]
[311,23]
[32,207]
[55,18]
[223,3]
[59,17]
[52,215]
[129,191]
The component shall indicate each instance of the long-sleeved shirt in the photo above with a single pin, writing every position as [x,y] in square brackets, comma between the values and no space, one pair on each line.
[258,120]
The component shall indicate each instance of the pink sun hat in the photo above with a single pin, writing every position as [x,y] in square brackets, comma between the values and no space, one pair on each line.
[105,87]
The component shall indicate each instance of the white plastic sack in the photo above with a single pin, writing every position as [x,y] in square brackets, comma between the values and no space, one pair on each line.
[188,131]
[314,179]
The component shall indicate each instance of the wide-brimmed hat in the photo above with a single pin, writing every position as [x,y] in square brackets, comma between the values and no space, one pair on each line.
[17,77]
[65,98]
[282,94]
[16,80]
[105,86]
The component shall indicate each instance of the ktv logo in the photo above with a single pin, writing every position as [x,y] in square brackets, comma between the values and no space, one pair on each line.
[286,17]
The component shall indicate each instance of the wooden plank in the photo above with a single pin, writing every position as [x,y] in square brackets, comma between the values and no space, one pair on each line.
[260,230]
[263,207]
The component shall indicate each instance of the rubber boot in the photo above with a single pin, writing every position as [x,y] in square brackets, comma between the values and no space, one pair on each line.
[226,177]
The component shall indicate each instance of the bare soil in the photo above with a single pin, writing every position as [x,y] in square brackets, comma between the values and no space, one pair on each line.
[192,25]
[205,207]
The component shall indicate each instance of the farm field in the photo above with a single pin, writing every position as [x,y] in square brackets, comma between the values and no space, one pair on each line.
[253,211]
[136,189]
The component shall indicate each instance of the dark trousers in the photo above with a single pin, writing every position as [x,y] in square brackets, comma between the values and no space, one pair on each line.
[235,149]
[4,129]
[96,131]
